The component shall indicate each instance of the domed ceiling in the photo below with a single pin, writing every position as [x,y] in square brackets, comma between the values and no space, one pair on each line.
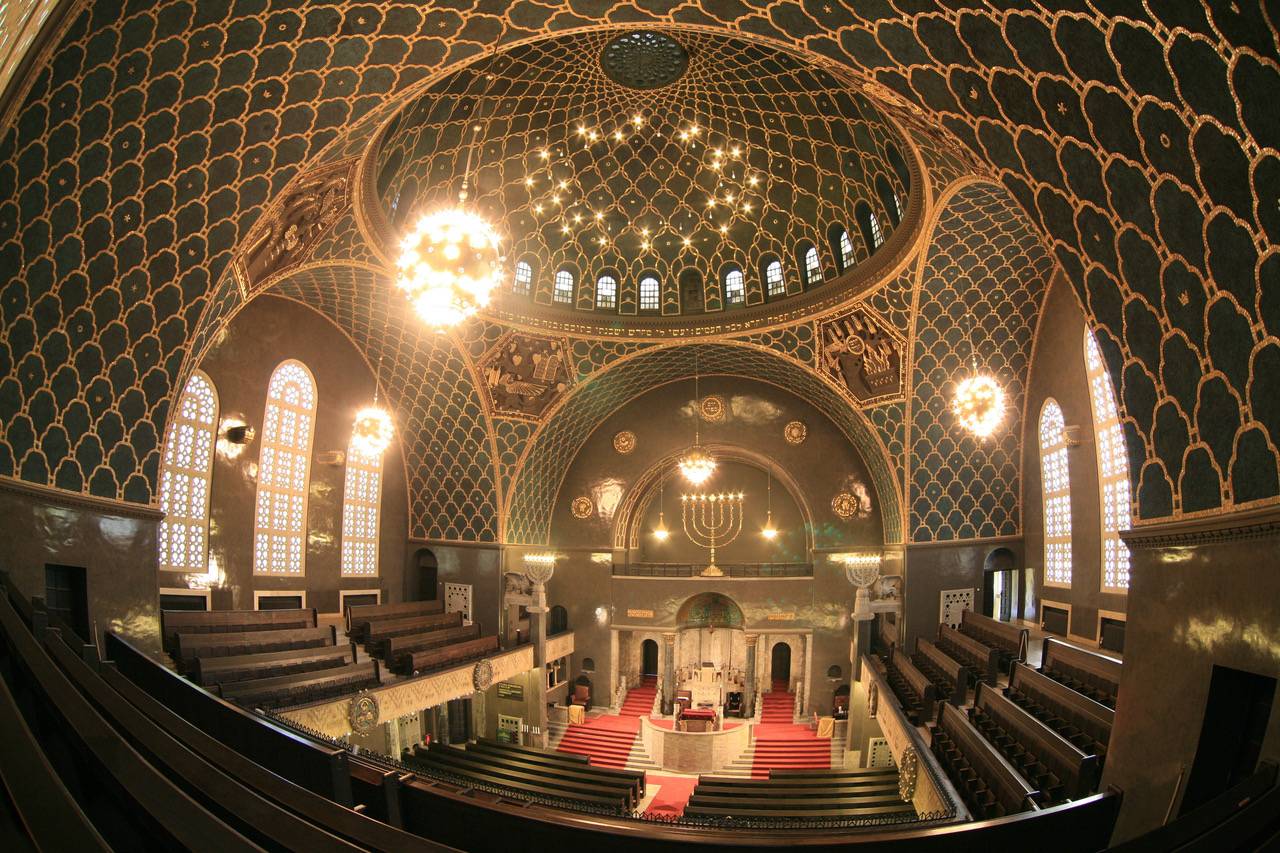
[676,157]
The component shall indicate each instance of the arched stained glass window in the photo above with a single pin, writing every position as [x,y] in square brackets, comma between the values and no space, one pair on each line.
[877,233]
[735,292]
[606,292]
[284,470]
[897,205]
[524,279]
[186,469]
[1055,482]
[812,267]
[564,287]
[1113,469]
[361,498]
[773,279]
[649,289]
[846,250]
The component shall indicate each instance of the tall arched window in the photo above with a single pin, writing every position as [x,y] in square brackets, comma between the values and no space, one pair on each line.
[284,470]
[846,250]
[1055,482]
[735,291]
[1113,469]
[774,284]
[649,289]
[564,287]
[184,478]
[523,282]
[361,498]
[606,292]
[877,233]
[812,267]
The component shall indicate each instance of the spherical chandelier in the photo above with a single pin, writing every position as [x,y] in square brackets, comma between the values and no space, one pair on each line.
[697,465]
[449,266]
[978,404]
[372,431]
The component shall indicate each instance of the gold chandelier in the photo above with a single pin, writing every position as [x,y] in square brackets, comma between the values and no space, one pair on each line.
[697,464]
[450,262]
[978,403]
[373,429]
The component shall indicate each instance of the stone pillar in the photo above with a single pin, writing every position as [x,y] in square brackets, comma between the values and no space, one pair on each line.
[668,672]
[539,571]
[749,677]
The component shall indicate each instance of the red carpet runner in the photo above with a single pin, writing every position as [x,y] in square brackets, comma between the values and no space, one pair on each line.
[606,740]
[672,796]
[639,701]
[783,745]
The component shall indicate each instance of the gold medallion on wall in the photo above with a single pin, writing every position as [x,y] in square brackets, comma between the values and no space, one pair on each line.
[624,442]
[362,713]
[844,505]
[712,408]
[582,507]
[795,432]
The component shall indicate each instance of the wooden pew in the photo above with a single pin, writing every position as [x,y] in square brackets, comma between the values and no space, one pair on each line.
[840,793]
[337,819]
[990,786]
[141,807]
[438,757]
[1076,772]
[983,661]
[577,776]
[550,758]
[948,675]
[916,692]
[361,615]
[225,670]
[379,631]
[886,636]
[188,647]
[302,688]
[175,622]
[1009,639]
[1082,721]
[457,653]
[396,646]
[1096,676]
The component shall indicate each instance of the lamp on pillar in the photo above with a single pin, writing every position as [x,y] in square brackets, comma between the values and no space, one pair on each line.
[861,570]
[539,568]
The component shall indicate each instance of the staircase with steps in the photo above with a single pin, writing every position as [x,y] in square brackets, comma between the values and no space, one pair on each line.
[639,701]
[608,741]
[780,743]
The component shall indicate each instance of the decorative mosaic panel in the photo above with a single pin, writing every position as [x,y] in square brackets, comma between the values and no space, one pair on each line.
[890,422]
[984,265]
[148,141]
[555,446]
[439,418]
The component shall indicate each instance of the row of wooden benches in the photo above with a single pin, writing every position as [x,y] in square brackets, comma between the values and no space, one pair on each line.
[800,794]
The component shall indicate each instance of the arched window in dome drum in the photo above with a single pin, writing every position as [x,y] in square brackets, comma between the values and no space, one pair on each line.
[284,471]
[564,287]
[888,200]
[897,205]
[692,293]
[870,235]
[606,292]
[899,167]
[1113,469]
[735,292]
[361,502]
[186,468]
[523,281]
[649,289]
[877,235]
[775,285]
[812,267]
[1055,485]
[846,250]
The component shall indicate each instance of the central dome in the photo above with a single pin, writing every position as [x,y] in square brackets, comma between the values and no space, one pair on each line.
[644,172]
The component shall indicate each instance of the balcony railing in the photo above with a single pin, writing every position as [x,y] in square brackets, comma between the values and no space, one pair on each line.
[731,570]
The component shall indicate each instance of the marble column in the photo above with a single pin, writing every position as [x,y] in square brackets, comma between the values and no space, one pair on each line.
[749,676]
[668,672]
[539,569]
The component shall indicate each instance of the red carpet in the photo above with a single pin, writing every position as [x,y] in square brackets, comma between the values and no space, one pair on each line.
[606,740]
[672,796]
[639,701]
[783,745]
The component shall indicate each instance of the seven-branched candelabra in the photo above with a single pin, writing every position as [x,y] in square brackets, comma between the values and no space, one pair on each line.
[711,519]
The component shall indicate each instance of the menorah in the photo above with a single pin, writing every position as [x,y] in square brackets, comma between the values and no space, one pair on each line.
[712,518]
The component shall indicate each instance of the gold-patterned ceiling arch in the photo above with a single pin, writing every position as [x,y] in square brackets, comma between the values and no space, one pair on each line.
[664,154]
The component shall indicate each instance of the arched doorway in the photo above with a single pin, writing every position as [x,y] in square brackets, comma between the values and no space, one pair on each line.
[780,666]
[1000,585]
[649,658]
[424,584]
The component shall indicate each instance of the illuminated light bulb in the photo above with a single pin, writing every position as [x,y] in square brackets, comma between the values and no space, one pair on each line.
[753,180]
[644,231]
[599,215]
[660,532]
[711,202]
[746,205]
[449,265]
[645,245]
[582,131]
[735,151]
[694,130]
[555,199]
[637,120]
[565,229]
[979,404]
[528,182]
[724,229]
[537,208]
[372,431]
[564,185]
[697,466]
[687,241]
[593,136]
[544,154]
[617,134]
[577,217]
